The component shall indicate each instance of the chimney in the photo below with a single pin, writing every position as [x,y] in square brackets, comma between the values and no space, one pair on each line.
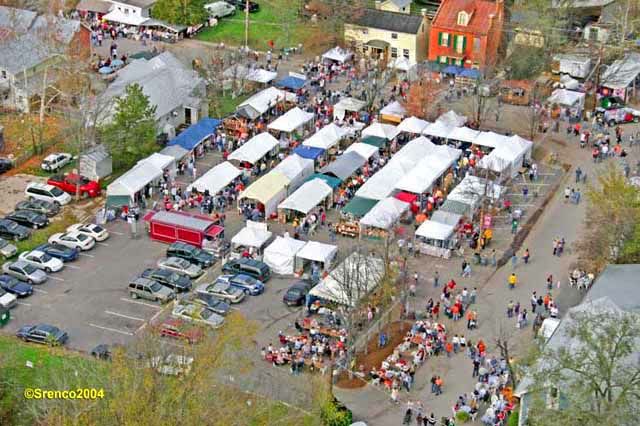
[378,4]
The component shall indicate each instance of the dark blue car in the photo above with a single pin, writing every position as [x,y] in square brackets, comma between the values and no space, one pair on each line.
[15,286]
[64,253]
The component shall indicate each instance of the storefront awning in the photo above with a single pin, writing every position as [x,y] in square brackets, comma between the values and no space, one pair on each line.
[377,44]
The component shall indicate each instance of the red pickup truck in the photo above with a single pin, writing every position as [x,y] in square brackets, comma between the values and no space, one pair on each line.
[69,182]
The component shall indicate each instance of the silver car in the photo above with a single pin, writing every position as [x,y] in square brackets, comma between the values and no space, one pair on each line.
[222,290]
[197,313]
[7,249]
[181,266]
[25,272]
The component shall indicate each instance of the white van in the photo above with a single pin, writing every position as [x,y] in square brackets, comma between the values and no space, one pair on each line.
[42,191]
[220,9]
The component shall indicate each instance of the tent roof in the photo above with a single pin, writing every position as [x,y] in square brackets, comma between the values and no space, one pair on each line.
[381,130]
[175,151]
[266,187]
[438,129]
[401,63]
[326,137]
[293,166]
[255,148]
[566,97]
[345,165]
[329,180]
[134,180]
[318,252]
[285,245]
[464,134]
[349,104]
[385,214]
[291,82]
[338,54]
[452,119]
[622,72]
[394,108]
[216,178]
[261,102]
[308,196]
[308,152]
[362,149]
[445,217]
[428,170]
[359,206]
[435,230]
[196,133]
[412,125]
[184,219]
[260,75]
[116,15]
[455,207]
[471,188]
[490,139]
[255,234]
[375,141]
[291,120]
[160,161]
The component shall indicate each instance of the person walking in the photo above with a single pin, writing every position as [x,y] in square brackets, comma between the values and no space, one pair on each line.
[510,309]
[578,174]
[534,301]
[436,279]
[514,261]
[513,280]
[526,256]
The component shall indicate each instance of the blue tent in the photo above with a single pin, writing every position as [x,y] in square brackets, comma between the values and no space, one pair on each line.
[452,69]
[290,82]
[309,152]
[196,133]
[470,73]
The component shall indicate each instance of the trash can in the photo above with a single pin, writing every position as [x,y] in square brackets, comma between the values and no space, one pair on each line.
[5,316]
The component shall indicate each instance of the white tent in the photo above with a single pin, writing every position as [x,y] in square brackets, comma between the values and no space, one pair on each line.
[338,54]
[216,178]
[254,234]
[385,214]
[291,120]
[347,104]
[401,63]
[395,109]
[262,101]
[116,15]
[438,129]
[134,180]
[435,238]
[567,98]
[281,253]
[428,170]
[308,196]
[296,169]
[381,130]
[472,188]
[161,161]
[255,148]
[452,119]
[318,252]
[412,125]
[435,230]
[326,137]
[242,72]
[464,134]
[490,139]
[363,149]
[508,155]
[448,218]
[269,190]
[353,279]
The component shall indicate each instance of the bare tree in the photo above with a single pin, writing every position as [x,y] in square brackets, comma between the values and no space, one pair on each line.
[504,340]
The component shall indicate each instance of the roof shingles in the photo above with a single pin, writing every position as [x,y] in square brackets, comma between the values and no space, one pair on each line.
[389,21]
[480,10]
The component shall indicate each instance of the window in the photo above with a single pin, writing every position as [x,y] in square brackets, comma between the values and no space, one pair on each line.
[394,52]
[463,18]
[4,74]
[476,44]
[394,36]
[365,31]
[405,53]
[460,42]
[442,59]
[443,39]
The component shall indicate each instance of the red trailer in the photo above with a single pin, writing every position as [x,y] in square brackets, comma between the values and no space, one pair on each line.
[169,227]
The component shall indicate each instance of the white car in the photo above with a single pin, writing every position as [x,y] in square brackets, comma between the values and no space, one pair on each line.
[7,300]
[220,9]
[73,240]
[92,230]
[42,260]
[56,161]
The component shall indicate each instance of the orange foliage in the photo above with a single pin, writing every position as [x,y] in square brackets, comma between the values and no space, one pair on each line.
[422,98]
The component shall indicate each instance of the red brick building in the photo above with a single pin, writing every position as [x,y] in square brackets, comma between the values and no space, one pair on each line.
[467,33]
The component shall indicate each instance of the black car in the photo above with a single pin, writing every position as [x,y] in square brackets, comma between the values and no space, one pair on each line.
[173,280]
[101,351]
[5,164]
[254,268]
[241,5]
[210,301]
[191,253]
[64,253]
[28,218]
[296,294]
[15,286]
[39,206]
[43,333]
[12,231]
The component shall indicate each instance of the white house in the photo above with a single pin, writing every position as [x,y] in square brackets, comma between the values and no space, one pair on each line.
[130,12]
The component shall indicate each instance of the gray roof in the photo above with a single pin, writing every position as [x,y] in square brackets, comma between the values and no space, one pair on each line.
[138,3]
[389,21]
[579,4]
[175,151]
[96,154]
[622,72]
[345,165]
[620,284]
[182,220]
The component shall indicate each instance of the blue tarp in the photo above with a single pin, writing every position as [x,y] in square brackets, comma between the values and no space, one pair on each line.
[291,82]
[308,152]
[452,69]
[470,73]
[195,133]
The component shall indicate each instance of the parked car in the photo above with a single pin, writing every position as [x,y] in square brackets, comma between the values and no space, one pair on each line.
[28,218]
[619,115]
[92,230]
[218,306]
[181,266]
[244,282]
[223,291]
[12,231]
[7,300]
[175,281]
[197,313]
[296,294]
[220,9]
[73,240]
[41,260]
[43,333]
[64,253]
[5,165]
[150,290]
[191,253]
[242,5]
[7,249]
[56,161]
[102,351]
[43,191]
[15,286]
[25,272]
[255,268]
[177,329]
[71,182]
[39,206]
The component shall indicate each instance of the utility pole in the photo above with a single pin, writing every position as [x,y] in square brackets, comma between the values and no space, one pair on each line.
[246,25]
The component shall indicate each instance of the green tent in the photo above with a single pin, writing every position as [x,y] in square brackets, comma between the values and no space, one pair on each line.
[375,141]
[329,180]
[358,206]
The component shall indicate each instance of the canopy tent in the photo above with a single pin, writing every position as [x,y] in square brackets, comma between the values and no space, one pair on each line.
[216,178]
[393,111]
[116,15]
[412,125]
[364,150]
[308,152]
[176,28]
[242,72]
[433,230]
[269,190]
[358,206]
[347,104]
[196,133]
[374,141]
[455,207]
[622,73]
[338,54]
[291,82]
[452,69]
[308,196]
[254,234]
[407,197]
[296,169]
[161,161]
[262,101]
[329,180]
[448,218]
[439,129]
[327,137]
[490,139]
[381,130]
[435,238]
[133,181]
[344,166]
[428,170]
[255,148]
[401,63]
[567,98]
[470,73]
[281,253]
[385,214]
[568,82]
[318,252]
[175,151]
[291,120]
[470,190]
[510,154]
[353,279]
[452,119]
[463,134]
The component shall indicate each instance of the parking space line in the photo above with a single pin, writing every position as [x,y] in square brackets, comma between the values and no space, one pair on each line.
[23,303]
[72,266]
[116,232]
[40,291]
[104,244]
[86,255]
[124,316]
[155,316]
[141,303]
[56,278]
[115,330]
[200,278]
[141,328]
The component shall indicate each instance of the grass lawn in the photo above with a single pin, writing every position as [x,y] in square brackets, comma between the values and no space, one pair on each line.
[226,105]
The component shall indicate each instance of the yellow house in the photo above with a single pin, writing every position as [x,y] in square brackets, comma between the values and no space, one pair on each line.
[389,32]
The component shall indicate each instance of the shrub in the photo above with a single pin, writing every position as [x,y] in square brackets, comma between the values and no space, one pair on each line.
[463,416]
[335,414]
[514,417]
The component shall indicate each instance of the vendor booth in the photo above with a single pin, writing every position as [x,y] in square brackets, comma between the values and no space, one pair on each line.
[350,215]
[337,54]
[281,254]
[310,195]
[382,217]
[438,129]
[452,119]
[193,136]
[292,120]
[296,169]
[166,163]
[463,134]
[263,101]
[381,130]
[412,125]
[255,149]
[344,165]
[268,191]
[346,105]
[291,82]
[309,152]
[313,251]
[327,137]
[175,151]
[375,141]
[165,31]
[570,104]
[393,113]
[364,150]
[216,178]
[435,239]
[129,188]
[169,227]
[428,170]
[252,240]
[472,188]
[508,158]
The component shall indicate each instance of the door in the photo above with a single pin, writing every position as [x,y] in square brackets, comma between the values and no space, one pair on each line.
[187,116]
